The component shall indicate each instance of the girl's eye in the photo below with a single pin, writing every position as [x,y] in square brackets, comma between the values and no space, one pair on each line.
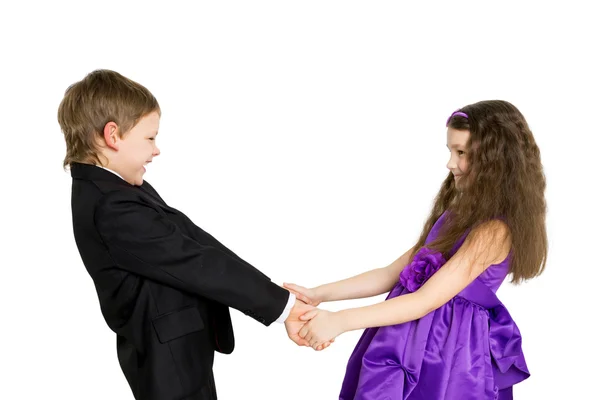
[460,152]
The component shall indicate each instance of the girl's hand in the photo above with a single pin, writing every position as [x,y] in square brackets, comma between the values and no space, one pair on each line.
[309,296]
[322,327]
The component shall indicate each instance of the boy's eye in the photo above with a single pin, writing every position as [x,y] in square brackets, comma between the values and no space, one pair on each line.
[151,138]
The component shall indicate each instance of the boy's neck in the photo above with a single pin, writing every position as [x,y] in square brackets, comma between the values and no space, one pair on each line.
[110,170]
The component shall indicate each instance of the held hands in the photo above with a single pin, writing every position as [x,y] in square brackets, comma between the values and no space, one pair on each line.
[321,329]
[297,318]
[293,324]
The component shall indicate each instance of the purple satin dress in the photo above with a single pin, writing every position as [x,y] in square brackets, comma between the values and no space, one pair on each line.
[468,349]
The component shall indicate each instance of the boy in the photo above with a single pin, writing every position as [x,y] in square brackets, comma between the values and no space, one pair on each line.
[163,283]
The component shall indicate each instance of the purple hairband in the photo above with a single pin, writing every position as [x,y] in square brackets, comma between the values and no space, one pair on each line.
[459,113]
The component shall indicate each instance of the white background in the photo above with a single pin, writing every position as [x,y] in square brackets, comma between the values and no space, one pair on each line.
[309,138]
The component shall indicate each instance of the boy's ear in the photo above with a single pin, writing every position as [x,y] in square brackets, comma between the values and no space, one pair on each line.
[111,135]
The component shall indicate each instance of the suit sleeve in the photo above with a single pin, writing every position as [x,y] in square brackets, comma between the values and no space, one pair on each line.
[142,240]
[208,238]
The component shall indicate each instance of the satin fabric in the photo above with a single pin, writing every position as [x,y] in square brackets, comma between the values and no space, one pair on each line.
[470,348]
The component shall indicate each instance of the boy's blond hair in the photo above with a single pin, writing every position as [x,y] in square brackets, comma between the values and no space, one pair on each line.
[101,97]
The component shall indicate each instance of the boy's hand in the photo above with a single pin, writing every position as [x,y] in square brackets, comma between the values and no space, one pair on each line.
[321,329]
[309,296]
[293,324]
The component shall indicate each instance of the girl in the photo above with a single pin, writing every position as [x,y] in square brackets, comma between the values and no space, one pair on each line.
[442,333]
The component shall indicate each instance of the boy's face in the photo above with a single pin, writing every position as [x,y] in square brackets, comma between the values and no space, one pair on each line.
[135,149]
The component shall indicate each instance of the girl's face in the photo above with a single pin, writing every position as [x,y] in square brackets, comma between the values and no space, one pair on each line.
[457,144]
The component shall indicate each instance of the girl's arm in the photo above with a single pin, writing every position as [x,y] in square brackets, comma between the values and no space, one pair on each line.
[367,284]
[486,245]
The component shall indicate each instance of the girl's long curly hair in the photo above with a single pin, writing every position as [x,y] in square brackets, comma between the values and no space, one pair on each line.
[505,180]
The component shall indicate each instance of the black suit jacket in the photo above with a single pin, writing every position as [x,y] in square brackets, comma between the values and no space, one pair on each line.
[164,285]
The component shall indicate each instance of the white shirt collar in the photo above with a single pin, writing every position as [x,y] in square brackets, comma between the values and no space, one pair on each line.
[110,170]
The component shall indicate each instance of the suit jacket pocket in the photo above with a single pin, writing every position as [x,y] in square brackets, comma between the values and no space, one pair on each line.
[177,324]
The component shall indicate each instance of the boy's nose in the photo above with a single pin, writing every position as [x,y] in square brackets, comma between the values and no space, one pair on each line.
[156,151]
